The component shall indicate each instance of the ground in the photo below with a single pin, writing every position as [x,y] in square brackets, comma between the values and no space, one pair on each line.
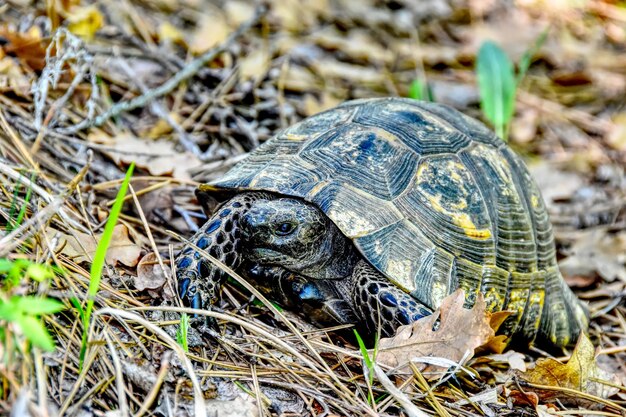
[184,89]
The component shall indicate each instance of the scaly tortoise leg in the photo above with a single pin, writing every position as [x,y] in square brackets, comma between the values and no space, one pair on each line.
[380,304]
[317,300]
[198,279]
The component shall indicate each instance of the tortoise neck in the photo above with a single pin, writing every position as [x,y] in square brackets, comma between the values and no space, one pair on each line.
[338,257]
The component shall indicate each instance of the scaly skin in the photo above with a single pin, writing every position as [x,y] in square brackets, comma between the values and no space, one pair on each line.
[308,266]
[296,256]
[198,279]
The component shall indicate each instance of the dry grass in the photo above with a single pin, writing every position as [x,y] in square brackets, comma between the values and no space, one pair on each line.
[66,144]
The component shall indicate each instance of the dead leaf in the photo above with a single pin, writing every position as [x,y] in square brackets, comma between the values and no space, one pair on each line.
[555,183]
[28,46]
[85,21]
[521,31]
[256,64]
[312,105]
[297,15]
[211,31]
[617,136]
[366,76]
[150,274]
[170,33]
[545,411]
[524,126]
[359,46]
[238,12]
[514,359]
[159,157]
[162,127]
[580,373]
[497,343]
[596,251]
[12,78]
[82,247]
[460,331]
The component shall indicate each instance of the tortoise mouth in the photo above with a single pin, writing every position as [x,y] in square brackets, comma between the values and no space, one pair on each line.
[266,254]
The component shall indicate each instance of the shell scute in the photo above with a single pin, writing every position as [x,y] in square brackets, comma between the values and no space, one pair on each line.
[446,205]
[373,159]
[431,198]
[345,205]
[399,248]
[419,131]
[510,219]
[287,174]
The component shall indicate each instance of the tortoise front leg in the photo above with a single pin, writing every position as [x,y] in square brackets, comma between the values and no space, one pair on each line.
[380,304]
[198,279]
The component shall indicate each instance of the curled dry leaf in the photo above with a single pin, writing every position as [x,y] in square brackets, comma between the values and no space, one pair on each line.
[580,373]
[211,31]
[256,64]
[82,247]
[460,331]
[150,275]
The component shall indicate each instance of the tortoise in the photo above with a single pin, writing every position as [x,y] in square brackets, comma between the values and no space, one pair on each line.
[372,212]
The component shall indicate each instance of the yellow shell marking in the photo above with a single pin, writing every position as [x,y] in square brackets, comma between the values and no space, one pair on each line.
[534,201]
[458,216]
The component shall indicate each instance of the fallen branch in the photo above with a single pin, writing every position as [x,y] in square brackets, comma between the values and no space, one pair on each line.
[170,85]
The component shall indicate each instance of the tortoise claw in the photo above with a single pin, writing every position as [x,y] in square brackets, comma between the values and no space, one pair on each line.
[183,286]
[196,301]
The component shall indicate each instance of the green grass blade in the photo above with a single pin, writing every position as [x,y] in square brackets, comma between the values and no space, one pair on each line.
[22,213]
[369,362]
[524,63]
[100,257]
[182,332]
[364,352]
[496,83]
[420,90]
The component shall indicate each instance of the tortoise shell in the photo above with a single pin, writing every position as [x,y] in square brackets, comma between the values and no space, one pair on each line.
[430,197]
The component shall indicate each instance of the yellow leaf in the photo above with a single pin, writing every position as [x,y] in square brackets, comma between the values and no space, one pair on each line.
[170,33]
[617,136]
[580,373]
[85,21]
[212,30]
[256,64]
[162,127]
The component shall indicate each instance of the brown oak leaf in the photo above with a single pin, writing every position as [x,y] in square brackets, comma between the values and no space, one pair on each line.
[460,331]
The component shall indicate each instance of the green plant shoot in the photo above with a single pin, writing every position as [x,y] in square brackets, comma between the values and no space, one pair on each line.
[24,311]
[496,83]
[100,257]
[182,332]
[420,90]
[369,360]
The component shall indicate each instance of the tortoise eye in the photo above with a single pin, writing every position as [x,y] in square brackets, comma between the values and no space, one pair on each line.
[284,229]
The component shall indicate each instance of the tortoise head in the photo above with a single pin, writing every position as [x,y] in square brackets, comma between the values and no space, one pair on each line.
[295,235]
